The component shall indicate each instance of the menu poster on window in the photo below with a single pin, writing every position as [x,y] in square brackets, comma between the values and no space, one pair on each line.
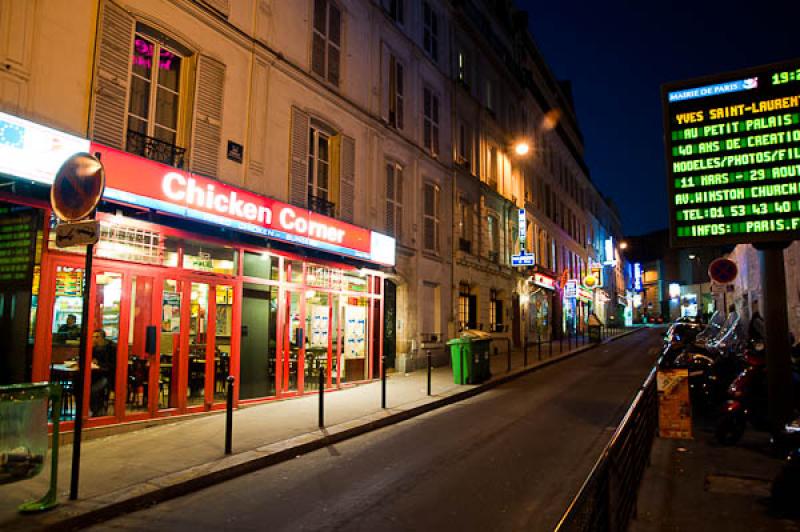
[171,312]
[17,246]
[355,331]
[319,326]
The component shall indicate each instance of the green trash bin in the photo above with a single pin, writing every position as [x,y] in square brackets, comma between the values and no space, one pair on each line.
[461,358]
[470,356]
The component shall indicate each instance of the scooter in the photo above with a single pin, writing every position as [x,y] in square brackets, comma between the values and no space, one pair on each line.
[747,402]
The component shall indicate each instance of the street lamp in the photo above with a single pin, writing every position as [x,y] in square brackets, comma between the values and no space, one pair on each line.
[521,148]
[623,245]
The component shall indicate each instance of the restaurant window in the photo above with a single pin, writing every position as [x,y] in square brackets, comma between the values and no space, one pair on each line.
[430,31]
[207,257]
[261,265]
[430,122]
[396,92]
[154,107]
[394,200]
[430,218]
[326,43]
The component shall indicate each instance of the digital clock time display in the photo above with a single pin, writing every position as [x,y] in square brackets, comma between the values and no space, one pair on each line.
[787,76]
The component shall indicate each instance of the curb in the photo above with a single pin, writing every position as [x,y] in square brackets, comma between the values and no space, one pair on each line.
[83,513]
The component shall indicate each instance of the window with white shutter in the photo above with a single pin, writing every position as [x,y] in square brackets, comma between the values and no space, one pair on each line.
[207,126]
[430,218]
[394,200]
[298,164]
[326,41]
[430,120]
[396,92]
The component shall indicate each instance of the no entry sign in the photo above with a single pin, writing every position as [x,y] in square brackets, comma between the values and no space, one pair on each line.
[723,271]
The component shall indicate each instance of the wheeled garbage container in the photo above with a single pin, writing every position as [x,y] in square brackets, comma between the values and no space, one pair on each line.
[594,329]
[470,356]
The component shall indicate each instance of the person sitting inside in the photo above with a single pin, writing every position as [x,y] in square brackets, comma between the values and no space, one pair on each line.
[104,367]
[69,330]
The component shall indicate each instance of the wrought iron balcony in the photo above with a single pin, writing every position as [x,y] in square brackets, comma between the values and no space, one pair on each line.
[321,205]
[155,149]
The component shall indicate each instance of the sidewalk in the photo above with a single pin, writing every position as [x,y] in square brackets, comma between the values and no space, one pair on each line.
[700,485]
[127,470]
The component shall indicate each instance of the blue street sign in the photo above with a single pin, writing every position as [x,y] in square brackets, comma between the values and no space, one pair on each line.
[523,259]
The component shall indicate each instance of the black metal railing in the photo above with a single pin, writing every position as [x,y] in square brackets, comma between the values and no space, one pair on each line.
[321,205]
[155,149]
[607,499]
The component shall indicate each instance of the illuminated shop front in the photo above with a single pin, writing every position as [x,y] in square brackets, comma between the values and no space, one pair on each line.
[540,303]
[196,280]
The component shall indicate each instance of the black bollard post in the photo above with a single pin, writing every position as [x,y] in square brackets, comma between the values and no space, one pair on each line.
[539,343]
[321,396]
[525,351]
[429,371]
[229,415]
[383,382]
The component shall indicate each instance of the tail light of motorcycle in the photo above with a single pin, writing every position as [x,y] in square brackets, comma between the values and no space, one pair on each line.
[732,406]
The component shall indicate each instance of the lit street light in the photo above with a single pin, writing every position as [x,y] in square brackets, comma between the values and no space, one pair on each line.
[521,148]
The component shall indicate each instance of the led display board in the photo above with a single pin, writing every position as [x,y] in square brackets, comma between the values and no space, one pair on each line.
[733,156]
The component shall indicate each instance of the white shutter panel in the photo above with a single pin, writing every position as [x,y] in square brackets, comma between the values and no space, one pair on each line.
[207,124]
[114,50]
[398,191]
[347,185]
[390,195]
[298,165]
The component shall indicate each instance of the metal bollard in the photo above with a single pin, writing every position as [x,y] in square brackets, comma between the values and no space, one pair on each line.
[429,372]
[229,415]
[383,381]
[525,351]
[321,396]
[539,343]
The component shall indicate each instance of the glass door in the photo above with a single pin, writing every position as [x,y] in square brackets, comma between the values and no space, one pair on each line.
[318,345]
[200,345]
[140,397]
[169,360]
[293,341]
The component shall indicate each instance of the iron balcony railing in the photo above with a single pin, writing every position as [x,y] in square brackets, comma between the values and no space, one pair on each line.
[321,205]
[155,149]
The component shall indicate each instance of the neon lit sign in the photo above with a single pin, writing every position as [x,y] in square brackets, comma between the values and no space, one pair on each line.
[544,281]
[637,277]
[137,181]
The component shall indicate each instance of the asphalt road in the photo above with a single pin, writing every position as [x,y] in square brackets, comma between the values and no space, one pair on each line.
[509,459]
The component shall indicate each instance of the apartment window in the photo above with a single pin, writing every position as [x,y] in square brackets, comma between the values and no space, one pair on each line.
[462,73]
[319,169]
[465,226]
[491,174]
[495,312]
[396,92]
[430,219]
[430,31]
[326,46]
[155,98]
[493,237]
[394,200]
[467,308]
[489,95]
[464,144]
[430,126]
[396,10]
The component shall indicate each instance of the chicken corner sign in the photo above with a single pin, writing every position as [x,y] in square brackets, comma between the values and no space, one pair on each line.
[33,151]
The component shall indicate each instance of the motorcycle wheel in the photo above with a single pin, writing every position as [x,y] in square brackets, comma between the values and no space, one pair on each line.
[730,429]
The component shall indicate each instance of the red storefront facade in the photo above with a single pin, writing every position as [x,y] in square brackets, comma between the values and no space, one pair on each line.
[195,280]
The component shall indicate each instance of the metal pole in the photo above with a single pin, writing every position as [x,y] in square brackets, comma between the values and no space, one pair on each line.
[779,370]
[539,343]
[525,350]
[229,415]
[82,368]
[383,381]
[429,372]
[321,396]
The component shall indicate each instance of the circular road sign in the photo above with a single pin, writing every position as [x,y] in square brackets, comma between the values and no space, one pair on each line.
[723,271]
[78,187]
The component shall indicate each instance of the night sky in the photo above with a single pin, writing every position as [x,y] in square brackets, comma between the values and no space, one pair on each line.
[617,55]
